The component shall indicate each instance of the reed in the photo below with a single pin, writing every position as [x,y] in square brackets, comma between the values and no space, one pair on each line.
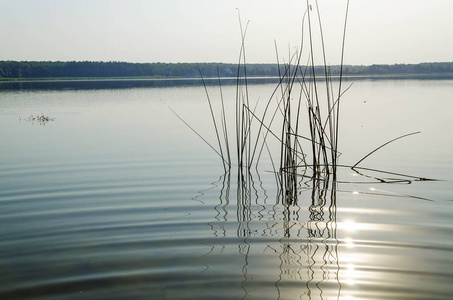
[298,105]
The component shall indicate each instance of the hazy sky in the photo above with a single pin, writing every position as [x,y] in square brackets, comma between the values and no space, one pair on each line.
[379,31]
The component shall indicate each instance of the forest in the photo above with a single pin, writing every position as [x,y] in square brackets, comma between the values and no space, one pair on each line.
[94,69]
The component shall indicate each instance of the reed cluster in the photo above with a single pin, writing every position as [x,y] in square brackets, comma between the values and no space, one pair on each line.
[297,92]
[302,115]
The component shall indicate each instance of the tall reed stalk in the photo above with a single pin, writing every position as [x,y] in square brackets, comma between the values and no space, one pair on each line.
[322,126]
[298,87]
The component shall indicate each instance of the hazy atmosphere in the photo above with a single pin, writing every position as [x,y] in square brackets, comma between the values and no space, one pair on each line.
[142,158]
[379,32]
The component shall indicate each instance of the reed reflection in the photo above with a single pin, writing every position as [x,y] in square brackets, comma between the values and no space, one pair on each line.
[295,234]
[314,260]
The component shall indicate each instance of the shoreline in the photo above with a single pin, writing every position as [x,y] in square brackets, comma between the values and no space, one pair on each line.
[446,75]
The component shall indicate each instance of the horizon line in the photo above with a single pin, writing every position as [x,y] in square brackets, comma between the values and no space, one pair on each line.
[224,63]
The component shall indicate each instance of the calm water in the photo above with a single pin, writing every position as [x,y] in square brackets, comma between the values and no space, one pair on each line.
[117,199]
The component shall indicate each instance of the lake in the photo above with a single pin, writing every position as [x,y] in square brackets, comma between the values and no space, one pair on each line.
[114,197]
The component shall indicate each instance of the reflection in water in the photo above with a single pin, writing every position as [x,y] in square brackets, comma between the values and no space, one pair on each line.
[96,84]
[307,249]
[296,234]
[317,256]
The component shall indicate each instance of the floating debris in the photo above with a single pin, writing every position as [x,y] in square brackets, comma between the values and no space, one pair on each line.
[40,119]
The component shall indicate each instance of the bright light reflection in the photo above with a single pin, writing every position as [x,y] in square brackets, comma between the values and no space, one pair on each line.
[349,225]
[349,275]
[349,243]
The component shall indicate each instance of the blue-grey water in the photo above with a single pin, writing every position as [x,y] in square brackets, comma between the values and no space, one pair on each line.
[114,197]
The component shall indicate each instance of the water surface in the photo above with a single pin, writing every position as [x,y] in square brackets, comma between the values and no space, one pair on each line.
[117,198]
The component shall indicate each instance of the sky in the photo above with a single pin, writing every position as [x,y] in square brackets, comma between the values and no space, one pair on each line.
[170,31]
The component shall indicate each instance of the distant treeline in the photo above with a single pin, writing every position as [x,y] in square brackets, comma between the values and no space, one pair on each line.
[48,69]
